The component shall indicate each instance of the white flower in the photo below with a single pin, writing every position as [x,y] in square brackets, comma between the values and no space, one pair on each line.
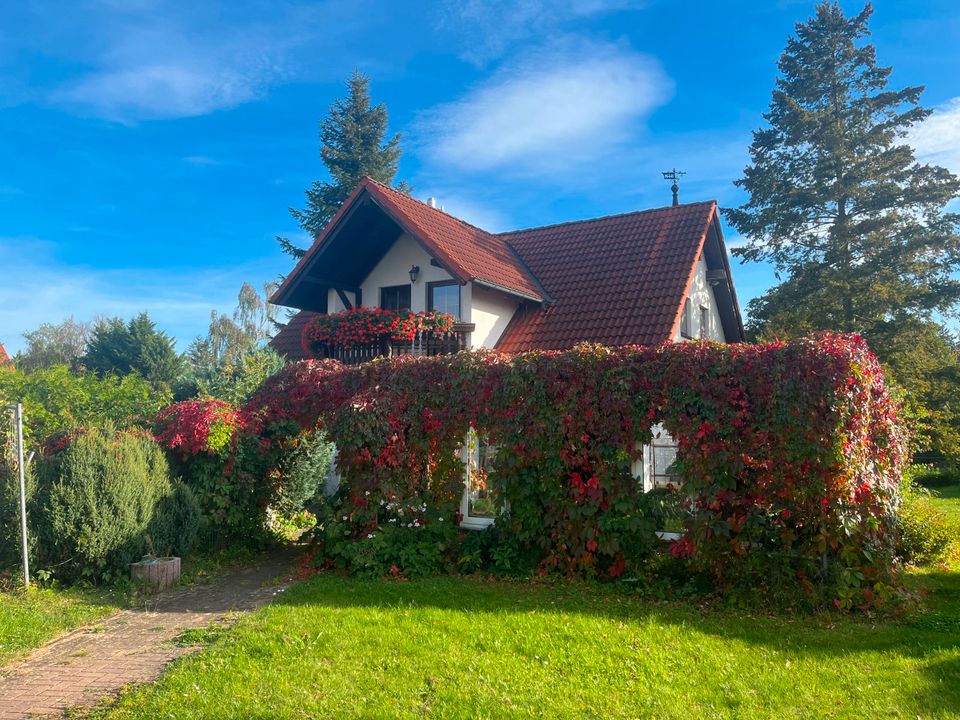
[366,492]
[345,517]
[392,520]
[439,519]
[370,536]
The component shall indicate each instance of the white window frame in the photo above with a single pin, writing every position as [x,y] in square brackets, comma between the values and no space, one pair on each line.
[643,470]
[470,455]
[686,320]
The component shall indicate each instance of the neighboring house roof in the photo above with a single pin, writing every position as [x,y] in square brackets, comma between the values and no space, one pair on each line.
[287,341]
[4,358]
[614,280]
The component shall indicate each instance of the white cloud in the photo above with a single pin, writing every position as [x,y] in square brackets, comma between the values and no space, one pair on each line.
[487,29]
[937,139]
[150,92]
[135,61]
[551,109]
[46,290]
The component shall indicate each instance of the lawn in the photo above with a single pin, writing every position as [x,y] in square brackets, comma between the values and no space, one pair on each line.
[948,500]
[30,618]
[462,648]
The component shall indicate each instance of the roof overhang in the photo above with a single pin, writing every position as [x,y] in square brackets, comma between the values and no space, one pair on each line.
[350,246]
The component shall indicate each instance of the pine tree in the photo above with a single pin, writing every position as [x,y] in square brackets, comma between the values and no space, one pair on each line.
[855,226]
[133,347]
[352,145]
[838,202]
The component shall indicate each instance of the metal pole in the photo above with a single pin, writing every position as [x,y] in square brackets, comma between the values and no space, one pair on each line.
[18,411]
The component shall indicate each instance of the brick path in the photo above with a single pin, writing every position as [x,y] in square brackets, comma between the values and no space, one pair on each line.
[95,661]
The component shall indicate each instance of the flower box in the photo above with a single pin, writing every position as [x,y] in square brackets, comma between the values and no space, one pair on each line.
[156,573]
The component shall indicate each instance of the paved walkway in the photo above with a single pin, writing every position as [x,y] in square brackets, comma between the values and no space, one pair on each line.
[95,661]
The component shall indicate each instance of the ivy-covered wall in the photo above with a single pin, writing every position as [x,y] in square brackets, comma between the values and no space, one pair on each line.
[790,455]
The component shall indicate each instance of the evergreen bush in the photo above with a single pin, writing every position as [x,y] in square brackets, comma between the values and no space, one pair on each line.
[96,500]
[176,523]
[305,472]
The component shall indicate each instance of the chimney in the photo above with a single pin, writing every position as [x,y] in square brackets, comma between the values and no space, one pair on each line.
[432,202]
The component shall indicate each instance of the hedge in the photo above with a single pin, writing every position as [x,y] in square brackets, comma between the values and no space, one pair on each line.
[790,454]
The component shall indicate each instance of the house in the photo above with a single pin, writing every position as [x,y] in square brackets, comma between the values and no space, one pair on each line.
[643,278]
[4,358]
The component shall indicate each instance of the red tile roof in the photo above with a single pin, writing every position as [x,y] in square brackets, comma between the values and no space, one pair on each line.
[4,358]
[614,280]
[467,252]
[287,340]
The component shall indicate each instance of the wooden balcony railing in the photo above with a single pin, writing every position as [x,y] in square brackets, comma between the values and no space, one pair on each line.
[422,344]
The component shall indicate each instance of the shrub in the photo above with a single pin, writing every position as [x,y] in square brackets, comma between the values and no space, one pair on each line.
[96,500]
[193,427]
[391,549]
[201,439]
[303,472]
[930,477]
[10,539]
[927,534]
[56,400]
[176,523]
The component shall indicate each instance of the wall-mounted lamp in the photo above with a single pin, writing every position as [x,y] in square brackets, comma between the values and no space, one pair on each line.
[414,272]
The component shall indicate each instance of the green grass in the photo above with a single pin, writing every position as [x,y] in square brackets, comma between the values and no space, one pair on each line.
[458,648]
[948,500]
[30,618]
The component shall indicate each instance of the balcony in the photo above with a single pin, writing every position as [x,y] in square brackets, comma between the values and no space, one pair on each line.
[427,344]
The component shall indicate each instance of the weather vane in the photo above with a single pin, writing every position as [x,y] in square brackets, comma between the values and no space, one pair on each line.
[674,175]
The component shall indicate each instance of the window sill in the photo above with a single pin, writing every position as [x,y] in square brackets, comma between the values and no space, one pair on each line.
[476,523]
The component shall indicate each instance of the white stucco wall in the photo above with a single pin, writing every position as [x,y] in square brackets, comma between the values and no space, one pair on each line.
[491,310]
[394,269]
[701,295]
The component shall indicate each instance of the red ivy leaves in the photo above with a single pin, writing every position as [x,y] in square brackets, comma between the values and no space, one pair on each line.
[196,426]
[794,448]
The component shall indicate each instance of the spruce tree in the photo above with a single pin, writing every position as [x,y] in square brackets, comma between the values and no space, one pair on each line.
[855,227]
[352,145]
[838,202]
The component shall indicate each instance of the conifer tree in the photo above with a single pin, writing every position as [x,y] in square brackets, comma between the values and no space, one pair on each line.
[351,146]
[838,202]
[855,226]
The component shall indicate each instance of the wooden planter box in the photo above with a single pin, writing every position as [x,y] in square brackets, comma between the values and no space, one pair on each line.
[157,574]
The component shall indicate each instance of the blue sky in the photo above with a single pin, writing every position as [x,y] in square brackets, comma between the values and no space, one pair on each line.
[149,150]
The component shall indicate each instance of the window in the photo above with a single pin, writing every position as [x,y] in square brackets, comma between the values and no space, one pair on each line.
[396,298]
[686,320]
[663,456]
[704,322]
[444,297]
[478,506]
[656,470]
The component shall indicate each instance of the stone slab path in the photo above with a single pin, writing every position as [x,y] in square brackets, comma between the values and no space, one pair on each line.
[92,662]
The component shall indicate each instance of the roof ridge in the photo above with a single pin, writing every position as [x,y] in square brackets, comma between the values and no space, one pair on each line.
[606,217]
[427,205]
